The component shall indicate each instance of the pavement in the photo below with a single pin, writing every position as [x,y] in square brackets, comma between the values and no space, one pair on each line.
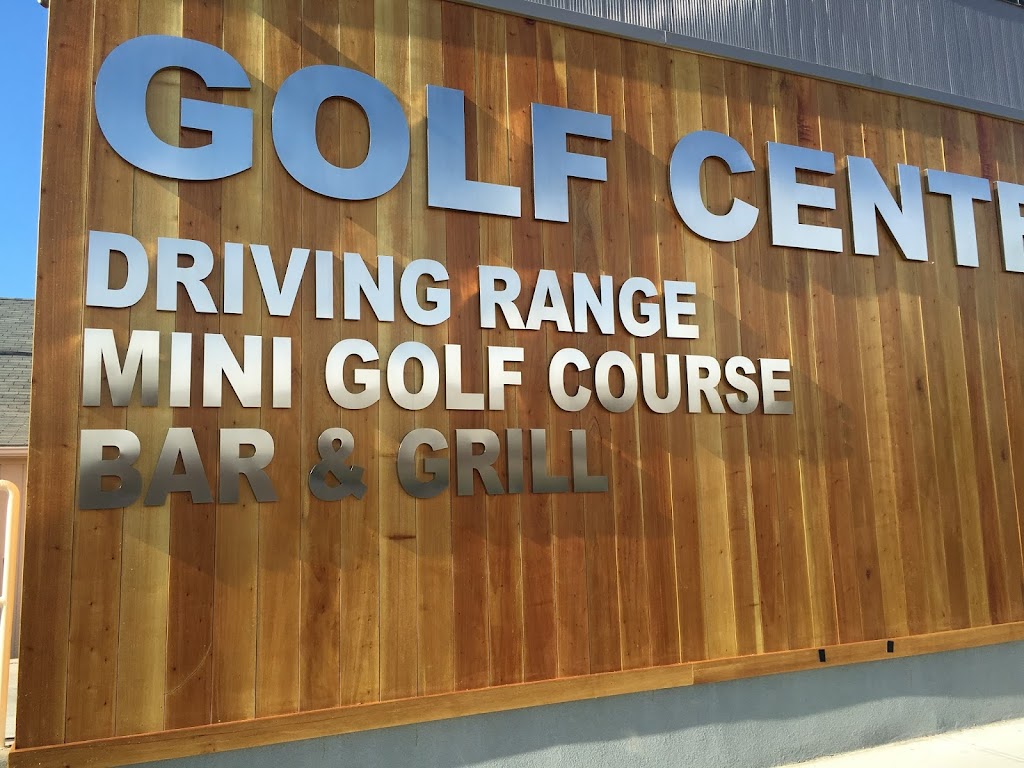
[1000,745]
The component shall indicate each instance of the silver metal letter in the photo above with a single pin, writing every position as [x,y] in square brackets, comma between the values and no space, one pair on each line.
[282,372]
[771,385]
[499,377]
[553,164]
[963,191]
[280,298]
[602,381]
[234,279]
[434,466]
[1011,224]
[787,196]
[233,465]
[98,292]
[737,374]
[514,460]
[869,195]
[294,129]
[220,363]
[673,377]
[180,442]
[541,480]
[684,176]
[334,373]
[493,299]
[170,274]
[121,87]
[630,288]
[181,370]
[582,480]
[380,293]
[556,379]
[601,307]
[404,352]
[697,384]
[440,299]
[99,357]
[324,285]
[467,461]
[674,309]
[548,304]
[92,468]
[447,185]
[455,396]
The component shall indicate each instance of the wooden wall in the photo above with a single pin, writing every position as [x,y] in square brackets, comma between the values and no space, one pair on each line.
[888,507]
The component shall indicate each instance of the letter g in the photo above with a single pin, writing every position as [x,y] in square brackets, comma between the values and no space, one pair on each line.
[121,87]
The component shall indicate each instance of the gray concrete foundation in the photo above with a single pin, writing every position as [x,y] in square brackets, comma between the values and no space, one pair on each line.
[754,723]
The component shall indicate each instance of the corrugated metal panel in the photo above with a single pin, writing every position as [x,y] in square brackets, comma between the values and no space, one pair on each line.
[969,49]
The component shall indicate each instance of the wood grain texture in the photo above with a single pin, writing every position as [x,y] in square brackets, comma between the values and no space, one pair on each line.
[887,507]
[237,557]
[279,523]
[108,753]
[96,574]
[50,521]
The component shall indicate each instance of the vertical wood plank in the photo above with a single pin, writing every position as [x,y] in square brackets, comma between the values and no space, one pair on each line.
[96,569]
[935,323]
[881,358]
[755,298]
[612,644]
[783,323]
[687,116]
[237,556]
[954,358]
[568,526]
[435,611]
[935,590]
[540,657]
[901,457]
[142,632]
[398,587]
[321,628]
[802,127]
[504,569]
[736,440]
[837,414]
[981,348]
[51,506]
[188,699]
[854,338]
[278,582]
[713,502]
[469,518]
[360,523]
[647,160]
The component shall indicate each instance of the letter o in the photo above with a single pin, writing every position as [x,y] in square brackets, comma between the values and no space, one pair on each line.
[602,383]
[294,128]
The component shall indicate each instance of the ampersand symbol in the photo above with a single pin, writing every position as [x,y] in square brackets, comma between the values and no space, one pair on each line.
[332,462]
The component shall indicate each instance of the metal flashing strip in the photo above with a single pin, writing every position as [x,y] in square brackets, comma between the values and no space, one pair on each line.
[537,10]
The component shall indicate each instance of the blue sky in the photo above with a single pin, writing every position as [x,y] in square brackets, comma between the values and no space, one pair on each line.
[23,57]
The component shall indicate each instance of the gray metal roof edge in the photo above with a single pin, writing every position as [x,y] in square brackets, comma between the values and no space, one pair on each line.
[722,50]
